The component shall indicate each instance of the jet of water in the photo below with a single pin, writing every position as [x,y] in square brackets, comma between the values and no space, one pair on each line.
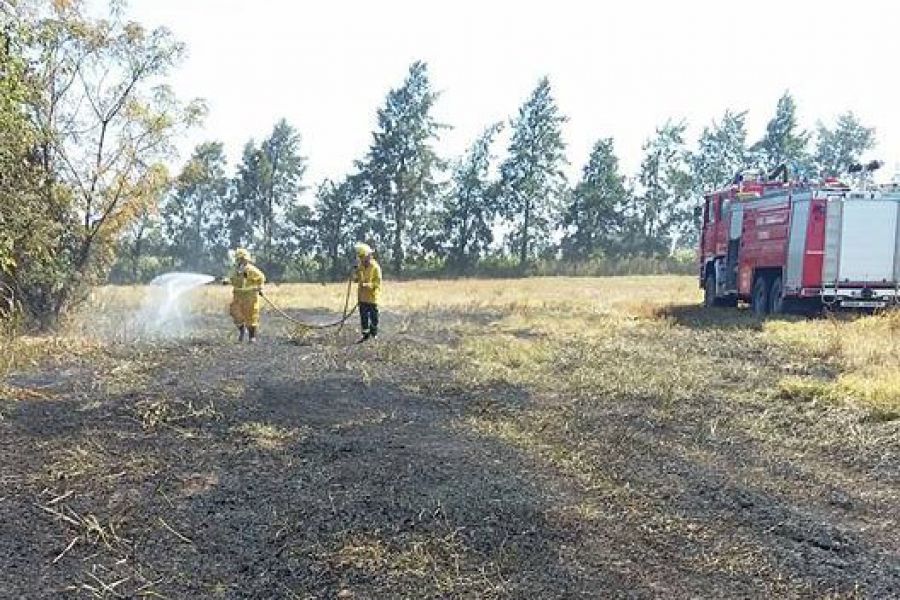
[165,313]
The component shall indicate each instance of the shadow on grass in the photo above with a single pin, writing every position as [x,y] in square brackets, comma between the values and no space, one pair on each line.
[309,483]
[697,316]
[347,470]
[740,522]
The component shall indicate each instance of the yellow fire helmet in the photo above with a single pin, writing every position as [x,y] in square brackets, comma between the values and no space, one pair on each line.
[363,250]
[241,254]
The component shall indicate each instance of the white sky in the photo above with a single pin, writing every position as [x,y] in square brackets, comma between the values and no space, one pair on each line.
[617,68]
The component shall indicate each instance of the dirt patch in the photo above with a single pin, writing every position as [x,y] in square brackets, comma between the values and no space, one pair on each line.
[208,469]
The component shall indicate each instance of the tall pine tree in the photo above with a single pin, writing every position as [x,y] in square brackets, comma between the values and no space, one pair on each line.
[268,184]
[532,180]
[282,170]
[400,166]
[595,216]
[471,206]
[661,213]
[194,214]
[784,142]
[245,197]
[838,148]
[339,214]
[298,240]
[721,153]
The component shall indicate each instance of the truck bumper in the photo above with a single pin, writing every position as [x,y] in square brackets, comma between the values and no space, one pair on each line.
[858,297]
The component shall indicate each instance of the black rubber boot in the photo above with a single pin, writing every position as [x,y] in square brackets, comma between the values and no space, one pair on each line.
[252,331]
[240,333]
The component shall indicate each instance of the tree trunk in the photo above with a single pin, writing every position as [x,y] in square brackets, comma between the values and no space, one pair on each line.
[200,253]
[397,250]
[136,254]
[526,225]
[399,219]
[461,257]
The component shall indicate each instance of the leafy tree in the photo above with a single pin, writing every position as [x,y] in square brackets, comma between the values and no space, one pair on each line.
[532,180]
[193,214]
[400,166]
[269,182]
[297,241]
[25,228]
[722,153]
[838,148]
[339,214]
[281,174]
[104,121]
[783,142]
[245,197]
[471,206]
[594,218]
[142,251]
[660,216]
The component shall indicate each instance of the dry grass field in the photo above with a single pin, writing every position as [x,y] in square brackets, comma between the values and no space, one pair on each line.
[537,438]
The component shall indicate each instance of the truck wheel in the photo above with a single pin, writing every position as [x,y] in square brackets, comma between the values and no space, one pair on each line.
[777,304]
[760,298]
[709,291]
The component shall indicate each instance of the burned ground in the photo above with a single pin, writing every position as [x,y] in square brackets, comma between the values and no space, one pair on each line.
[500,451]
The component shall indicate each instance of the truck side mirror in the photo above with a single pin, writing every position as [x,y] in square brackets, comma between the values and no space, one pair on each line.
[698,212]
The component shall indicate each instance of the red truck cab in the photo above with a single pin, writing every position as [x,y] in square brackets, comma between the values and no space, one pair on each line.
[778,245]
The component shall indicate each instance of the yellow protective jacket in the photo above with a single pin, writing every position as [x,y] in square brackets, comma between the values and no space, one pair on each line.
[369,280]
[245,296]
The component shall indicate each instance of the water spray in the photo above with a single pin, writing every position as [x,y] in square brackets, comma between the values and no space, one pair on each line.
[163,313]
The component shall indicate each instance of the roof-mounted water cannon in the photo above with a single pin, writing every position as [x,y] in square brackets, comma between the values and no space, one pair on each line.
[868,168]
[789,173]
[779,173]
[862,173]
[750,175]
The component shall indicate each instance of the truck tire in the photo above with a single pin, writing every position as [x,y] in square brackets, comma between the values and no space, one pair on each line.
[777,303]
[760,298]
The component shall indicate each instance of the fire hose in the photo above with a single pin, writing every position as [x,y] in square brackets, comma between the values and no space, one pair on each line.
[347,313]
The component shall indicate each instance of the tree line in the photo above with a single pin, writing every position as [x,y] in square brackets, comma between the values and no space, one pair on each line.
[419,209]
[88,126]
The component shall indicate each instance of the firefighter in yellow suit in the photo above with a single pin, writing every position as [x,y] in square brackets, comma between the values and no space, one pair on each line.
[246,281]
[368,279]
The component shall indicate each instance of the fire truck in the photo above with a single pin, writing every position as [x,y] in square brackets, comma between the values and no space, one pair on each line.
[785,246]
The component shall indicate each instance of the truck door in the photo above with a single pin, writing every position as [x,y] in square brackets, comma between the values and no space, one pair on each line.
[735,230]
[708,239]
[722,225]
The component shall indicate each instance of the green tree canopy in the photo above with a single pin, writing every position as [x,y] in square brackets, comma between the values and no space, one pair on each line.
[401,164]
[532,180]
